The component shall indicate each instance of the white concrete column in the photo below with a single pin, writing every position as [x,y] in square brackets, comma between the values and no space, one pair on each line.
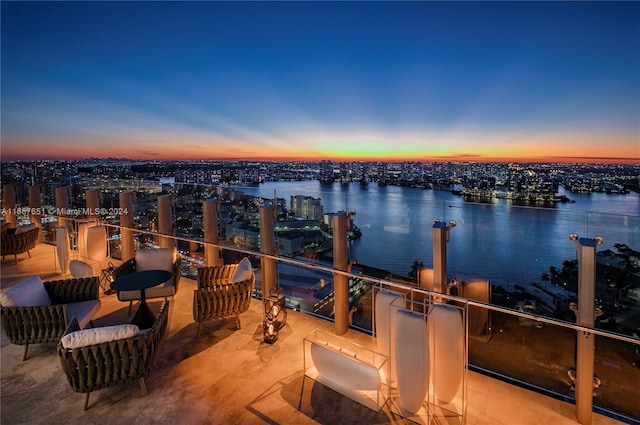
[9,203]
[267,246]
[127,249]
[585,315]
[62,204]
[165,220]
[35,203]
[340,281]
[210,228]
[92,199]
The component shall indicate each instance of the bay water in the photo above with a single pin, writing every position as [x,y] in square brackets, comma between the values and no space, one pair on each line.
[499,241]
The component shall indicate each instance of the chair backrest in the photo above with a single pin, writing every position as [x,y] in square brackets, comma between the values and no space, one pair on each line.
[215,275]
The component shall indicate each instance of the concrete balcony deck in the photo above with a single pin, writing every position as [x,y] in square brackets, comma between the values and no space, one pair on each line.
[225,376]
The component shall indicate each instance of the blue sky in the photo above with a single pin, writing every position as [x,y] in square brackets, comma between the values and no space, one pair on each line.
[361,80]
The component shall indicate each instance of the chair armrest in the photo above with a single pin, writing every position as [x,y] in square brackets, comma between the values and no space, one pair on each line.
[73,290]
[27,325]
[73,327]
[126,267]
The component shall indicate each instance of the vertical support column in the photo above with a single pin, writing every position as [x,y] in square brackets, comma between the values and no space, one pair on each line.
[165,220]
[340,281]
[62,204]
[92,197]
[210,228]
[585,347]
[440,234]
[267,246]
[9,203]
[35,203]
[127,249]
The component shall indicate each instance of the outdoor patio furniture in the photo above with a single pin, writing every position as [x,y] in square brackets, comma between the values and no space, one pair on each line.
[106,356]
[19,240]
[223,292]
[151,259]
[39,312]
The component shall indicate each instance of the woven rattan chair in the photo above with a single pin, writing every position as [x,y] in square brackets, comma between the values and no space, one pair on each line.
[93,367]
[46,324]
[18,243]
[217,298]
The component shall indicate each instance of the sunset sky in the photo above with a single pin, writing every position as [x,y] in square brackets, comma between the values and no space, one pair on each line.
[321,80]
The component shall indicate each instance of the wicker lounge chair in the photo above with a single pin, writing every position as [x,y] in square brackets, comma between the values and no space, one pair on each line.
[15,242]
[222,293]
[26,325]
[95,366]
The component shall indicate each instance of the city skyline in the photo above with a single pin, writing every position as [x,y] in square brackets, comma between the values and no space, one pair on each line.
[478,81]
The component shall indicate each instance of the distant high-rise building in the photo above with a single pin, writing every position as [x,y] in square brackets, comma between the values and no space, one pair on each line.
[307,207]
[326,171]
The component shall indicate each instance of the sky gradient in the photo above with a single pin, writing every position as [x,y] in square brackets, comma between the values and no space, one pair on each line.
[321,80]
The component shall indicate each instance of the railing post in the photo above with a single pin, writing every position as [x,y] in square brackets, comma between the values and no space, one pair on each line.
[340,281]
[267,246]
[585,347]
[165,220]
[127,249]
[210,228]
[440,235]
[35,203]
[62,204]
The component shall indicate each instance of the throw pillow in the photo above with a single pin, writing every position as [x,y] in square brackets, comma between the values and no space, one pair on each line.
[28,293]
[155,259]
[95,336]
[243,272]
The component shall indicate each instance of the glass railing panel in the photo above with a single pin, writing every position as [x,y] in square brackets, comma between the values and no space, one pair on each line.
[306,289]
[361,299]
[523,349]
[617,374]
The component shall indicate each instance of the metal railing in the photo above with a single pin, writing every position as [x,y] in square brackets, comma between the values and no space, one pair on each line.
[527,349]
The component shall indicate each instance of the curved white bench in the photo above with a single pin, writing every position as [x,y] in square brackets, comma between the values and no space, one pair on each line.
[338,365]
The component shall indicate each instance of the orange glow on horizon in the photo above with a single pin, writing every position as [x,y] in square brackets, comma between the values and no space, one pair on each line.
[548,148]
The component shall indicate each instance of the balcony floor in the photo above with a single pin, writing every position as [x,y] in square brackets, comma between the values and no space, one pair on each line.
[225,376]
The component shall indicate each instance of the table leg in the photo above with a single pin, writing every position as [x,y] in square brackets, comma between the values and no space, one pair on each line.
[144,317]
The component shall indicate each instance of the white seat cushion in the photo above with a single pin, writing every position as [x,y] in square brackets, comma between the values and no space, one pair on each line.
[243,272]
[167,289]
[155,259]
[28,293]
[94,336]
[83,311]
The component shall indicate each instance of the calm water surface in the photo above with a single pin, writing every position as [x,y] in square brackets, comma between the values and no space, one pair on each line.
[499,241]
